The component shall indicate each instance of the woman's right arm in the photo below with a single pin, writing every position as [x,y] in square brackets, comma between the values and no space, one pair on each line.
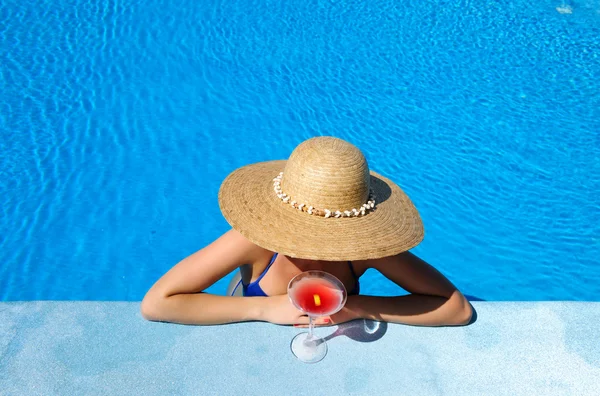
[177,296]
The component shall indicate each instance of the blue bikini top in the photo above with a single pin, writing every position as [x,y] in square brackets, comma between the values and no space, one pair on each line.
[253,289]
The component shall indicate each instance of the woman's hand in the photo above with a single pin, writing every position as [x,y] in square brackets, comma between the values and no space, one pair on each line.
[343,316]
[280,310]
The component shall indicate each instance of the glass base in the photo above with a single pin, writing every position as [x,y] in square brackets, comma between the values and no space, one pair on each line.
[307,351]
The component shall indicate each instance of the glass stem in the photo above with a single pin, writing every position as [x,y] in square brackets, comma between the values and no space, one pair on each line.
[310,328]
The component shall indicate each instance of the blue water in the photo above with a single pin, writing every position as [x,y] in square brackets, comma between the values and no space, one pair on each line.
[119,119]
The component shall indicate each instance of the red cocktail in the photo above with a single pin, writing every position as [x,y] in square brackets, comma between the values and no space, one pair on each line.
[317,296]
[315,293]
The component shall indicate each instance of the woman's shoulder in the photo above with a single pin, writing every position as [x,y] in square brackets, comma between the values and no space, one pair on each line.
[363,265]
[234,243]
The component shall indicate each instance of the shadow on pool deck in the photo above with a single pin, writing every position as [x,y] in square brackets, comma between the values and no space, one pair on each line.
[360,330]
[474,316]
[473,298]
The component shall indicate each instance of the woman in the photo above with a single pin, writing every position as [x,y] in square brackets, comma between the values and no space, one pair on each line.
[321,209]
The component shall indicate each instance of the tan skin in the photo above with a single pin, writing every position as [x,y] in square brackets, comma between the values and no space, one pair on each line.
[178,295]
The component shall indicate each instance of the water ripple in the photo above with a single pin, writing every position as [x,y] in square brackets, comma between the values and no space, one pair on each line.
[119,119]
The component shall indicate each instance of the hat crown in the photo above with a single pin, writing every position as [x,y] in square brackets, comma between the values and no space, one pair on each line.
[329,173]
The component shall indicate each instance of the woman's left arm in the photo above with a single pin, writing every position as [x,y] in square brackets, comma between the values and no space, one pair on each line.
[434,300]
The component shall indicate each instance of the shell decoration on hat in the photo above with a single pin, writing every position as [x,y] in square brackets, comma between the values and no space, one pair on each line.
[327,213]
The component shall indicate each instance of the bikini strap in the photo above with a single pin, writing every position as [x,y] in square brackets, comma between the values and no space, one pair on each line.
[266,269]
[352,270]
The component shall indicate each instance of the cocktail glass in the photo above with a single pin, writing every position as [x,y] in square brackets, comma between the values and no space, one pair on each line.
[316,293]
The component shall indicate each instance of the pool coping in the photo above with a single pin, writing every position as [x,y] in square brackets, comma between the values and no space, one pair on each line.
[86,347]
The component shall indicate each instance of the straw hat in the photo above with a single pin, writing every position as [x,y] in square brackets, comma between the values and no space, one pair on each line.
[323,203]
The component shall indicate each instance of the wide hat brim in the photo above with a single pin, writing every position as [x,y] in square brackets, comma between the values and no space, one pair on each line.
[251,207]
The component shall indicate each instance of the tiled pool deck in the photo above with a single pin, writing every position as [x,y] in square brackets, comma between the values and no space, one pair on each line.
[97,348]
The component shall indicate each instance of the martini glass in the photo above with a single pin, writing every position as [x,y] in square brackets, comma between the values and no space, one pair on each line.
[316,293]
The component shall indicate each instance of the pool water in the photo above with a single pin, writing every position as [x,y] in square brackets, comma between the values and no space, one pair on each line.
[119,120]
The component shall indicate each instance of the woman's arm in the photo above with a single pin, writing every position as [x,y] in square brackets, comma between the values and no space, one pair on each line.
[434,301]
[177,296]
